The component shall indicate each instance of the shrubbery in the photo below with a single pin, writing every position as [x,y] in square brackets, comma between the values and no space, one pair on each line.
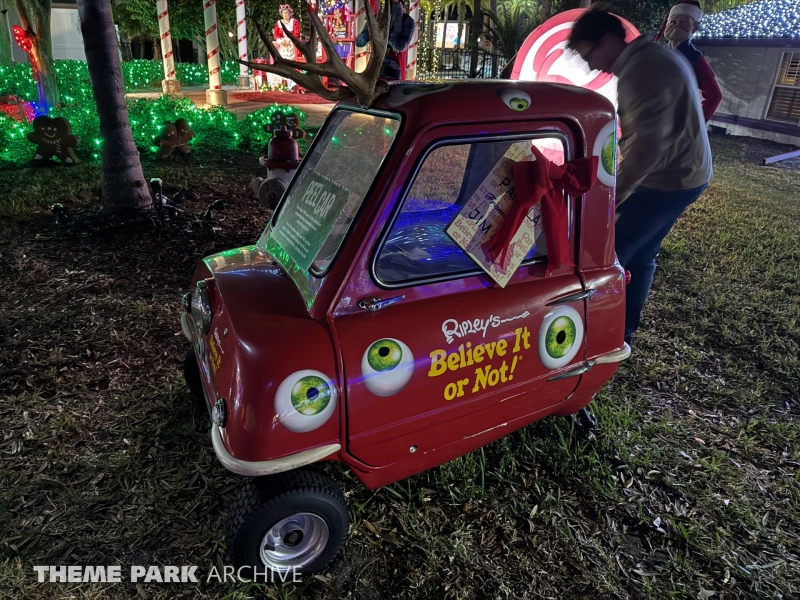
[215,129]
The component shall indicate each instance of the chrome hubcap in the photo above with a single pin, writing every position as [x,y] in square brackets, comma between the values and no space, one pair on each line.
[295,541]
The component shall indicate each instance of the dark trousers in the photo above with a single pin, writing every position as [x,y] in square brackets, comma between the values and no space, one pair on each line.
[645,219]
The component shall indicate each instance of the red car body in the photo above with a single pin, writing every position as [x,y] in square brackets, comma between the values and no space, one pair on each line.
[270,320]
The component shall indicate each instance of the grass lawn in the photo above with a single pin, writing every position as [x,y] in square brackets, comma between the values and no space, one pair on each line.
[691,488]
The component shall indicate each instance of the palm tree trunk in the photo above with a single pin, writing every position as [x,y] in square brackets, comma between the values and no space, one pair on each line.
[5,41]
[34,17]
[124,189]
[547,6]
[477,28]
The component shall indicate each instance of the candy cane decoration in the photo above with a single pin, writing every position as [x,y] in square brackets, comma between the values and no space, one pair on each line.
[166,40]
[411,56]
[361,20]
[241,32]
[212,44]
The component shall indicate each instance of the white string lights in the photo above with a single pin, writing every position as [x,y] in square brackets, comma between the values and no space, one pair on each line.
[765,19]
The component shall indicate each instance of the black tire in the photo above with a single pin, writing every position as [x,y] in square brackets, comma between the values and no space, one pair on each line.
[266,501]
[191,373]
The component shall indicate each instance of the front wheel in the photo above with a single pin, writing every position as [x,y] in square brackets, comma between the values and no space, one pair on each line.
[290,522]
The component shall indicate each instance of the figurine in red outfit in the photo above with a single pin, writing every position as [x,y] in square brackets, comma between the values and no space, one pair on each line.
[284,45]
[681,24]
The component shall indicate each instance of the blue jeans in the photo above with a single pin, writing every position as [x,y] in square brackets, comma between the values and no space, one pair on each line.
[645,219]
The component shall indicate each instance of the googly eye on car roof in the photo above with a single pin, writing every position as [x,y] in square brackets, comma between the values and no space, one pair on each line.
[514,98]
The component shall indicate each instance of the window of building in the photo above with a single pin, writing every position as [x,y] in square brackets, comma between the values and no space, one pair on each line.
[785,103]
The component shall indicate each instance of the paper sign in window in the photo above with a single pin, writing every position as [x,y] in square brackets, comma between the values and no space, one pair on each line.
[484,212]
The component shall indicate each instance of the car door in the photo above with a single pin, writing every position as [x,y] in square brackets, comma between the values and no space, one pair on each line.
[432,350]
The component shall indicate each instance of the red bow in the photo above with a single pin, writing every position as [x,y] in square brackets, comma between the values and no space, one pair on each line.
[546,181]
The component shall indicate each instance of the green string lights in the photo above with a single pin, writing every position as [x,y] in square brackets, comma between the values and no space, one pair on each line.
[215,129]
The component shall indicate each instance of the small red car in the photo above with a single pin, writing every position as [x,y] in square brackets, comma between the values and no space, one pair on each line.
[357,330]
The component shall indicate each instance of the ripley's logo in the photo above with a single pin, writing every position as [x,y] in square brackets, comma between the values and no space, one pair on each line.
[454,329]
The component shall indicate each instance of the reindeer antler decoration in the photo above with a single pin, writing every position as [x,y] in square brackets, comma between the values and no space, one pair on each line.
[364,86]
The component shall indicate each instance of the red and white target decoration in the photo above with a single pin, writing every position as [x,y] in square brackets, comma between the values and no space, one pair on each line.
[544,57]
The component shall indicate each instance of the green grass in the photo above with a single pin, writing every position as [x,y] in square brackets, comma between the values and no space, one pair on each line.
[691,486]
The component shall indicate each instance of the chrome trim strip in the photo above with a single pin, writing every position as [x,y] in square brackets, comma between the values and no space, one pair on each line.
[387,230]
[574,372]
[614,356]
[267,467]
[584,295]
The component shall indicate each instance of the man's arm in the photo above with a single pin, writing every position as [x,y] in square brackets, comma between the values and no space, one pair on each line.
[401,40]
[712,95]
[363,38]
[647,111]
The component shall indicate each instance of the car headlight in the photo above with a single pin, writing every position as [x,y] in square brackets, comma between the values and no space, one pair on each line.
[186,302]
[201,306]
[219,413]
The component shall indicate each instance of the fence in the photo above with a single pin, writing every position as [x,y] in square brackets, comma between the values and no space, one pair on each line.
[455,64]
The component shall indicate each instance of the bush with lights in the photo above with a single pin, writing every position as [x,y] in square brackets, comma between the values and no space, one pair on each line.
[215,129]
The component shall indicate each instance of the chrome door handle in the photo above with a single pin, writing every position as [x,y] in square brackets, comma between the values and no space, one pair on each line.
[574,372]
[585,295]
[375,304]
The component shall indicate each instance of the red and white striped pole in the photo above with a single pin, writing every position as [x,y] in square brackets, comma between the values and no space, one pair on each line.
[411,55]
[361,20]
[215,95]
[241,33]
[170,85]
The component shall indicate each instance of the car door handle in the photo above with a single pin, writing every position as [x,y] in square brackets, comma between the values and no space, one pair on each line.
[574,372]
[584,295]
[376,304]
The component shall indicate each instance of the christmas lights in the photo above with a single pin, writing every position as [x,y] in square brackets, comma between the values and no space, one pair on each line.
[216,129]
[765,19]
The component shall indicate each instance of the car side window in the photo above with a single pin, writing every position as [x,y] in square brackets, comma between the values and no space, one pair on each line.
[417,247]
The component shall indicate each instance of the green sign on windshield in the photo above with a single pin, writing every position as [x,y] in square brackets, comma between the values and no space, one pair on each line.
[309,217]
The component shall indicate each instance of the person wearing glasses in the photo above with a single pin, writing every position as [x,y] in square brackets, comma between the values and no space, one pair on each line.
[680,25]
[666,157]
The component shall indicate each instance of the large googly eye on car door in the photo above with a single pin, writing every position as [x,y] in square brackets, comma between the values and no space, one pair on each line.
[560,337]
[305,400]
[387,367]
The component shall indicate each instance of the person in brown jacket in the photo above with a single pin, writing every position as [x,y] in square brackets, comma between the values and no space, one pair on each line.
[666,157]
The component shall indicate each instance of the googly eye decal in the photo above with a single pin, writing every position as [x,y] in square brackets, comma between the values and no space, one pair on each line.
[560,337]
[387,367]
[515,99]
[305,400]
[605,148]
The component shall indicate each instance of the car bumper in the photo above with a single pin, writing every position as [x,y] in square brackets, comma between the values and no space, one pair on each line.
[267,467]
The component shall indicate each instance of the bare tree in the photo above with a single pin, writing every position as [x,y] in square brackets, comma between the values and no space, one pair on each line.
[365,86]
[124,189]
[34,17]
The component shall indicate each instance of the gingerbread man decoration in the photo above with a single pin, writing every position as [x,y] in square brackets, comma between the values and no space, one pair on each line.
[53,137]
[174,136]
[285,122]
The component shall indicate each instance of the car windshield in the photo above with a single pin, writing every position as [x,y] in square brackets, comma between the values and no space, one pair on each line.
[324,197]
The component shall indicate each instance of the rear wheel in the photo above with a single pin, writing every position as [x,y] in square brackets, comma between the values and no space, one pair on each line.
[191,373]
[293,523]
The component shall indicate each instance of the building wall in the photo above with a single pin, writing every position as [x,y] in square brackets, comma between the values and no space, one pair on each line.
[746,76]
[65,33]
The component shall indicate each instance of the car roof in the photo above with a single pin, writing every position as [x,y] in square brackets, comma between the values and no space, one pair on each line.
[490,99]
